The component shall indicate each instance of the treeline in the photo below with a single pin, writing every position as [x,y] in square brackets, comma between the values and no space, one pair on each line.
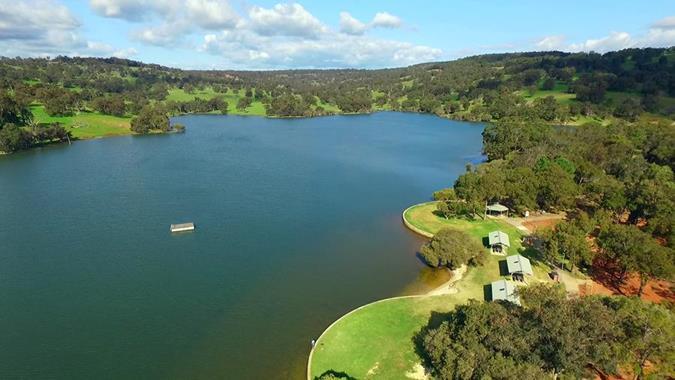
[484,88]
[551,336]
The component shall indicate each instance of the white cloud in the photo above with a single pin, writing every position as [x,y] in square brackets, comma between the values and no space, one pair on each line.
[39,28]
[166,34]
[614,41]
[177,18]
[551,43]
[285,20]
[667,23]
[38,23]
[244,48]
[350,25]
[659,34]
[100,49]
[386,20]
[211,14]
[131,10]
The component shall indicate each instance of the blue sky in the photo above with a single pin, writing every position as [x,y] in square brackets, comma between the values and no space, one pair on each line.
[261,34]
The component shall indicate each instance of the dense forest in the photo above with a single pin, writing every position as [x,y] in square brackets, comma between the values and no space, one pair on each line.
[43,100]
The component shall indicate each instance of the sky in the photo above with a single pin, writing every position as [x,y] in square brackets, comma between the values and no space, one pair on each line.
[261,34]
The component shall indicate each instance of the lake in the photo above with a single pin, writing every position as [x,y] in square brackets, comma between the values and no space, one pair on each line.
[298,221]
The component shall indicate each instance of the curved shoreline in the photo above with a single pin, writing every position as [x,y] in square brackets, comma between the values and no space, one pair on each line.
[411,226]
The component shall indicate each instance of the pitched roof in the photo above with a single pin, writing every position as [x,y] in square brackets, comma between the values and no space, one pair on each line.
[498,237]
[518,263]
[504,290]
[497,207]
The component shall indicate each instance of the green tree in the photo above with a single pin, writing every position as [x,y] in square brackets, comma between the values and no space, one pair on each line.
[151,118]
[636,251]
[628,109]
[244,103]
[648,339]
[546,108]
[452,248]
[11,111]
[548,84]
[13,138]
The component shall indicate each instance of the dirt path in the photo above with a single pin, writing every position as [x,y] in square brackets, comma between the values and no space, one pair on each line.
[533,223]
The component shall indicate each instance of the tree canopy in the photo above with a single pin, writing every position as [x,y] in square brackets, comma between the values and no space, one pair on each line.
[452,248]
[550,335]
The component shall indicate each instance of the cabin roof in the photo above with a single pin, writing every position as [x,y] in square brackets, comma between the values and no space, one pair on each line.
[519,264]
[504,290]
[497,207]
[498,237]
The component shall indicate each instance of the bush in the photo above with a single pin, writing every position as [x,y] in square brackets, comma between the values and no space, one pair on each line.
[151,118]
[452,248]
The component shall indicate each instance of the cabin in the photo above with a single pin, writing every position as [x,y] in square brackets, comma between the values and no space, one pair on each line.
[518,267]
[496,209]
[498,242]
[182,227]
[504,290]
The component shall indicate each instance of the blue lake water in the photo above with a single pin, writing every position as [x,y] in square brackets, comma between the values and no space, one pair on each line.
[298,221]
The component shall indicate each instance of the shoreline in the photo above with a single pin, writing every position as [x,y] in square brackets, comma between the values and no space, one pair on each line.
[410,226]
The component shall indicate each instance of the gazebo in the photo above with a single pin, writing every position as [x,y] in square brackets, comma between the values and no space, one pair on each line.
[496,209]
[504,290]
[499,242]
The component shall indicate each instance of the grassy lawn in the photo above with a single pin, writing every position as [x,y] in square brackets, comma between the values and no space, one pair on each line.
[179,95]
[422,216]
[376,340]
[559,92]
[231,97]
[86,125]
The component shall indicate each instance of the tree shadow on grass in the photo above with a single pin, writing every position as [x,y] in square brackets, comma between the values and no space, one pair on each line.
[435,321]
[332,374]
[535,255]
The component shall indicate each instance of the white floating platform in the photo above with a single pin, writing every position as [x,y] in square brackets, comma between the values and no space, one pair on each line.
[181,227]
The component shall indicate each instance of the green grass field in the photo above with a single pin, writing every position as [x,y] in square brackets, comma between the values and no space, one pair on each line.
[376,340]
[86,125]
[559,92]
[231,97]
